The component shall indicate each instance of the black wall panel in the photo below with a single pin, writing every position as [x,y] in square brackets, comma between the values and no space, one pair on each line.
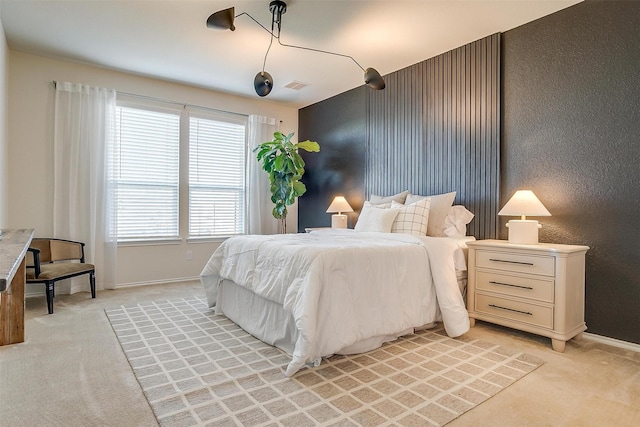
[571,133]
[339,126]
[436,129]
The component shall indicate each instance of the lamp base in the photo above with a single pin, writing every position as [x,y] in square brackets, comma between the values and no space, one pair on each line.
[523,231]
[338,221]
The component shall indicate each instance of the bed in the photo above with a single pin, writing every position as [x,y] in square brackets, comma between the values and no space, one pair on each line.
[337,291]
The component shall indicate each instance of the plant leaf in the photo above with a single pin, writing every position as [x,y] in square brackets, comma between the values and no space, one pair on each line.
[297,161]
[310,146]
[280,162]
[291,167]
[278,137]
[299,188]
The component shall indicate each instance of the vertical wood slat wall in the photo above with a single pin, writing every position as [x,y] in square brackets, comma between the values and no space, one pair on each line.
[436,129]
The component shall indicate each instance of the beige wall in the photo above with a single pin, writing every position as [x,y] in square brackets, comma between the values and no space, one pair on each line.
[4,147]
[30,144]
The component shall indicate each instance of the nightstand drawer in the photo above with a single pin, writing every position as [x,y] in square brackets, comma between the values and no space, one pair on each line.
[516,262]
[525,287]
[515,310]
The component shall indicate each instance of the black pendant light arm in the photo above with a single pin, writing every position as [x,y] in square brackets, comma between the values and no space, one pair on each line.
[320,51]
[264,63]
[263,82]
[277,36]
[372,77]
[266,29]
[256,21]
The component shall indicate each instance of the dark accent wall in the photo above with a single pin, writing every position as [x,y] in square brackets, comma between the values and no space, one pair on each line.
[570,114]
[571,133]
[339,126]
[436,129]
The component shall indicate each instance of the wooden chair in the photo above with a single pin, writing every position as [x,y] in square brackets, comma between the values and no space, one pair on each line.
[57,259]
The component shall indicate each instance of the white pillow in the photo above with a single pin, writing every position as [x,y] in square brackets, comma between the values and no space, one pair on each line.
[411,219]
[455,224]
[376,219]
[400,197]
[438,210]
[377,205]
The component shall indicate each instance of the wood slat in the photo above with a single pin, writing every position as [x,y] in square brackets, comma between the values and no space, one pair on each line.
[436,128]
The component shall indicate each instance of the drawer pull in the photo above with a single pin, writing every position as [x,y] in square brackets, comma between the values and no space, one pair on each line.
[510,262]
[509,284]
[511,309]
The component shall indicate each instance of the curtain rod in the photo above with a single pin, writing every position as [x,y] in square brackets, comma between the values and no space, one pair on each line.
[183,104]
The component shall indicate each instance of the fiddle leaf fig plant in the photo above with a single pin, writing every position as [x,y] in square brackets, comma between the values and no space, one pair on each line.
[281,160]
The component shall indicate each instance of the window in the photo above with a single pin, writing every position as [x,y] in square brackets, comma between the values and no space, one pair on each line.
[216,176]
[147,173]
[150,143]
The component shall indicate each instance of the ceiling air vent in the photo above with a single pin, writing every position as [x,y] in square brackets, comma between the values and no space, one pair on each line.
[295,85]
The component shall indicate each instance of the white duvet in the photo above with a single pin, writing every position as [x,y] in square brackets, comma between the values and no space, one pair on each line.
[342,286]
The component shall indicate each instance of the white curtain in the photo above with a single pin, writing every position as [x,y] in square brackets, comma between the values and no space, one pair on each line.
[260,218]
[83,203]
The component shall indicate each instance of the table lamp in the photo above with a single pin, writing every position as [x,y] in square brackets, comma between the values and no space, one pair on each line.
[339,205]
[524,203]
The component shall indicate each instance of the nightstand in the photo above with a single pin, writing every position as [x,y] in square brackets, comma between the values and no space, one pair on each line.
[533,288]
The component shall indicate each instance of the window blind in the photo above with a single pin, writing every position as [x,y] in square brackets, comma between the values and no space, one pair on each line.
[216,176]
[146,173]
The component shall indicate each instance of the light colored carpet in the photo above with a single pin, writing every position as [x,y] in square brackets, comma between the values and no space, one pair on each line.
[198,368]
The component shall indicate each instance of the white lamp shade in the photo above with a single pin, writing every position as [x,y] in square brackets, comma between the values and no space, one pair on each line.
[339,205]
[524,203]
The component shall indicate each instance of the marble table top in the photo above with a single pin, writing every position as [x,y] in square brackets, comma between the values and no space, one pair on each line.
[13,247]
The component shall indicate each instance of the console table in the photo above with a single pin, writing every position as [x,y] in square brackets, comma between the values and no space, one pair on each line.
[13,248]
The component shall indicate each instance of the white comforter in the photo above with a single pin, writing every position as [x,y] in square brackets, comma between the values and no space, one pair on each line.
[342,287]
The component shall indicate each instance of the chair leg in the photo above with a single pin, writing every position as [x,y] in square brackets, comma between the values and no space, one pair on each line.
[49,291]
[92,282]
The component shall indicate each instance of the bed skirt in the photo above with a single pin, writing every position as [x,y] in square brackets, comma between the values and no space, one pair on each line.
[269,322]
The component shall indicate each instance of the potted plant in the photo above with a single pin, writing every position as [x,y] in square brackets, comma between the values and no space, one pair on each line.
[280,159]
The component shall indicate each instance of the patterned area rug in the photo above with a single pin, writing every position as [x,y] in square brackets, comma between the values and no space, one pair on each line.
[198,368]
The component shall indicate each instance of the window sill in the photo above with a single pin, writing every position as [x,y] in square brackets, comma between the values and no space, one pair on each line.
[174,241]
[157,242]
[219,239]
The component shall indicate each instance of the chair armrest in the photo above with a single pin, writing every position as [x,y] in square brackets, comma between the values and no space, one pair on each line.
[36,260]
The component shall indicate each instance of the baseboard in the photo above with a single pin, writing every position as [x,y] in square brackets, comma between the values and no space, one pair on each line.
[34,290]
[34,294]
[40,292]
[158,282]
[612,342]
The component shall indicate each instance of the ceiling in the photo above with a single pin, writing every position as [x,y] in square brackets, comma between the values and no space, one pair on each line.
[168,39]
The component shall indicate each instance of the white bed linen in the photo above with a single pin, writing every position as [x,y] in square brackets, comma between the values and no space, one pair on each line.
[343,287]
[272,324]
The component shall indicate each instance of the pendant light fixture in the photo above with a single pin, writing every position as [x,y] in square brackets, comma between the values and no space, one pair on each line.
[263,82]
